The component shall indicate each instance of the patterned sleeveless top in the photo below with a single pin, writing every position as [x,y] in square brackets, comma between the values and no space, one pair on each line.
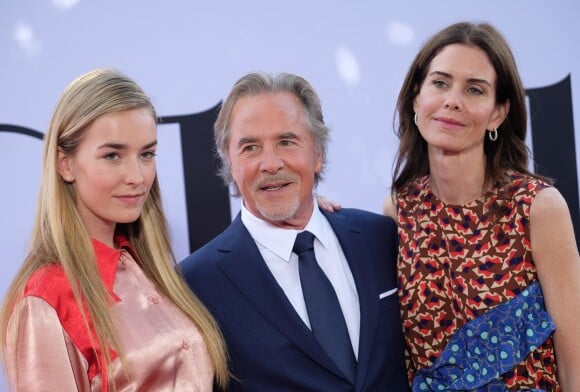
[457,261]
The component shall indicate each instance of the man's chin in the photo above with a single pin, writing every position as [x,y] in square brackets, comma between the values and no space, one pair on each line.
[276,215]
[281,215]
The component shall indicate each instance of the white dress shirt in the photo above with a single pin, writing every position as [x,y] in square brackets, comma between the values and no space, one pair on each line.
[275,245]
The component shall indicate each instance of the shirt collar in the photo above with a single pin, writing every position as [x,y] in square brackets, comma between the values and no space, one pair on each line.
[279,240]
[108,258]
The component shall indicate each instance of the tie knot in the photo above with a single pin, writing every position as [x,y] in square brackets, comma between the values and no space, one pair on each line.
[304,241]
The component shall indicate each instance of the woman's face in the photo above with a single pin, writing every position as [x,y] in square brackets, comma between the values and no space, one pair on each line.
[456,102]
[112,169]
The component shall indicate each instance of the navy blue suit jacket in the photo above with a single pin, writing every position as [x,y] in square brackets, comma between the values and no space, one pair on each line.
[270,347]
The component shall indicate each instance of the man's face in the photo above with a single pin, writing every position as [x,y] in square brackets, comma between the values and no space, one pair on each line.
[273,158]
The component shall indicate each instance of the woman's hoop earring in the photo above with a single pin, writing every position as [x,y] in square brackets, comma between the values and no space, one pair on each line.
[493,135]
[415,119]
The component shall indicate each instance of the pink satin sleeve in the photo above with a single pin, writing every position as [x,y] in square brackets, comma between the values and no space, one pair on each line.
[163,349]
[39,354]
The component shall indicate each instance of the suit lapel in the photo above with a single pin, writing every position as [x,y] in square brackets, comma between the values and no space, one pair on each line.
[249,273]
[356,253]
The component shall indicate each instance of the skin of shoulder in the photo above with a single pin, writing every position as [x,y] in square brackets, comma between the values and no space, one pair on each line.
[556,258]
[389,207]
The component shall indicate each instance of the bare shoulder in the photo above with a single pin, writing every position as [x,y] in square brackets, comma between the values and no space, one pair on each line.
[389,206]
[549,204]
[555,255]
[551,229]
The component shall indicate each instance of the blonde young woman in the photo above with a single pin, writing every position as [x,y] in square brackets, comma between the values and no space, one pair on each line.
[97,305]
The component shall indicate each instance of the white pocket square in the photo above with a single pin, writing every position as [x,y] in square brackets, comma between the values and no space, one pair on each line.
[387,293]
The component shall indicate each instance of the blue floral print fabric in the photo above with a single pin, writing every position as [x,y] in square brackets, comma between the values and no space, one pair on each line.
[490,345]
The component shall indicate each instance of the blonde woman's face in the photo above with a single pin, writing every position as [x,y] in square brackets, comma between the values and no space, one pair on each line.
[113,169]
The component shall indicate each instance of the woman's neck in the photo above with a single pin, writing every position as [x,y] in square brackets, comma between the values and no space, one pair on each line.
[104,235]
[457,179]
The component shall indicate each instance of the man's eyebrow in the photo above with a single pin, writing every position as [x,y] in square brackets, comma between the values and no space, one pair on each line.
[246,140]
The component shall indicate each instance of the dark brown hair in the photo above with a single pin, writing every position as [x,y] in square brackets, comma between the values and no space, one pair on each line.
[509,151]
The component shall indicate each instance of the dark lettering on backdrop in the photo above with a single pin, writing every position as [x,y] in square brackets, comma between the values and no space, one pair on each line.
[207,198]
[553,144]
[21,130]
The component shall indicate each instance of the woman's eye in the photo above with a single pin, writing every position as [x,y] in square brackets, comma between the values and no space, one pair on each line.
[149,154]
[438,83]
[475,91]
[111,156]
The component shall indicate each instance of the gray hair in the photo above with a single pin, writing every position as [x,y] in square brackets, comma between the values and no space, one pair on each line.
[256,83]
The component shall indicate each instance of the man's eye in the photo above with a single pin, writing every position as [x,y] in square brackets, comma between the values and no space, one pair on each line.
[249,148]
[286,143]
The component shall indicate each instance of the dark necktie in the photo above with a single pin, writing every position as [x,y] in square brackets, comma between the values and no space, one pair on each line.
[326,318]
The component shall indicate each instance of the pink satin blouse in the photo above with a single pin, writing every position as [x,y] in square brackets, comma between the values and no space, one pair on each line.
[48,349]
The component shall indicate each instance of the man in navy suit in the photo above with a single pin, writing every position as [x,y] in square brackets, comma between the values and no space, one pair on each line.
[272,139]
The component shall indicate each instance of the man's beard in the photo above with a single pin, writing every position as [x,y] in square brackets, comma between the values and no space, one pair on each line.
[282,211]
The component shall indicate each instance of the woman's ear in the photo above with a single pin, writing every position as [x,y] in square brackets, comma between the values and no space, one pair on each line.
[499,115]
[64,166]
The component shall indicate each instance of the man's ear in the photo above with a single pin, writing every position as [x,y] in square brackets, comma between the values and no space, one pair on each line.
[64,166]
[318,164]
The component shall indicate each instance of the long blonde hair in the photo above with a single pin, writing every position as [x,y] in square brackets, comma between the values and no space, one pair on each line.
[59,235]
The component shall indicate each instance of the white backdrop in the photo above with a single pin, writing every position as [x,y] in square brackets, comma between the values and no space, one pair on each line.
[187,55]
